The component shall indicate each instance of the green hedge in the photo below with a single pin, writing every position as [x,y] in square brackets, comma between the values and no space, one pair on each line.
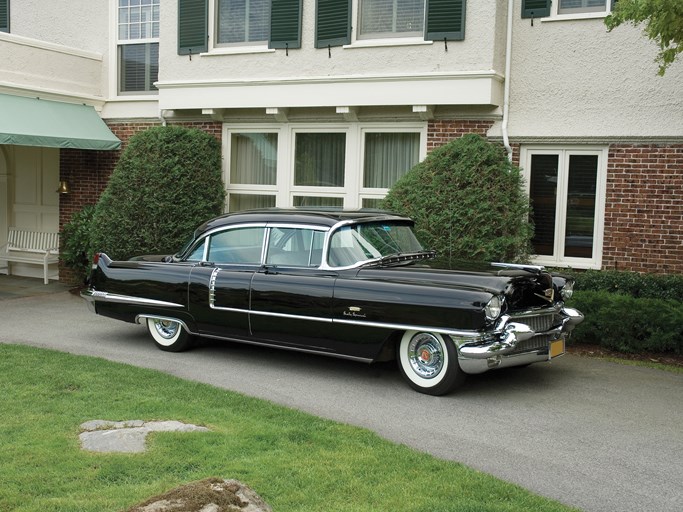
[628,324]
[629,312]
[634,284]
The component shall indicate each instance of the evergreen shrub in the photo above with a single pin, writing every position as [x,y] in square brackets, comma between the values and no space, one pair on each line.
[468,203]
[624,323]
[167,182]
[76,240]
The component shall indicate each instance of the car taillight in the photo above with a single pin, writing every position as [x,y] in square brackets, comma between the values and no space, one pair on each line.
[95,259]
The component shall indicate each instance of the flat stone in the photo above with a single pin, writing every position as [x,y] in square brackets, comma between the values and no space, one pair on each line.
[127,436]
[208,495]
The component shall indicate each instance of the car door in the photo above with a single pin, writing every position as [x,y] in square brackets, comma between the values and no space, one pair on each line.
[219,293]
[291,297]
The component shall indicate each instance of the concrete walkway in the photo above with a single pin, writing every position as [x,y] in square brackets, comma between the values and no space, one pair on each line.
[15,287]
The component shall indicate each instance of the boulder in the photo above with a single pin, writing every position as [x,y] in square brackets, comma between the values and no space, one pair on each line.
[208,495]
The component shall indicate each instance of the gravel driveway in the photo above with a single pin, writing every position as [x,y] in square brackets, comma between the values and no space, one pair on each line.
[596,435]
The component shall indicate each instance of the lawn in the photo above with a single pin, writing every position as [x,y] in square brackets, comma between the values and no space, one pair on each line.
[294,461]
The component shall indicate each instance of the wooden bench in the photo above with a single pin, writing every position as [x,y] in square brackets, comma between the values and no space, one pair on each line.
[33,247]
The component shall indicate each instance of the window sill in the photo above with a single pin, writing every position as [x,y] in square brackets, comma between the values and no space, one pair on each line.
[374,43]
[237,50]
[574,17]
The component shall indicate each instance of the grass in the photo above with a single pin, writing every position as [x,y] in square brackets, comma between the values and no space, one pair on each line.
[294,461]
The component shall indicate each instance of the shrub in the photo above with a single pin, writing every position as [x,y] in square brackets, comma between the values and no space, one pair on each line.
[653,286]
[467,202]
[627,324]
[166,183]
[76,239]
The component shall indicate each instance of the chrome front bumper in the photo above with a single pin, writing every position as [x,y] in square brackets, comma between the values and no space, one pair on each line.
[515,343]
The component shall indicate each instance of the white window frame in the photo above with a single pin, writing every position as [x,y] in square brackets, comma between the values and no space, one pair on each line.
[370,42]
[116,61]
[556,16]
[389,35]
[564,152]
[284,190]
[229,48]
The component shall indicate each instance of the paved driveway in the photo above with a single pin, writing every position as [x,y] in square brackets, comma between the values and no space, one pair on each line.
[596,435]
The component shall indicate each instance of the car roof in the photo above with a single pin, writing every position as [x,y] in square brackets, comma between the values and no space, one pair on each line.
[311,216]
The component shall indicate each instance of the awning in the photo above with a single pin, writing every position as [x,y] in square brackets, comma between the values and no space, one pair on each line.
[52,124]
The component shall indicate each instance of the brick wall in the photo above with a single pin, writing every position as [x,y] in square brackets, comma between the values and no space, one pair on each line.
[644,208]
[441,131]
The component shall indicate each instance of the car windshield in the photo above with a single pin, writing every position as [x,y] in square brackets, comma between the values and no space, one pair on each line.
[372,241]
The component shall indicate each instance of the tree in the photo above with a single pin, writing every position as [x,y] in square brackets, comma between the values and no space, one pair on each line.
[467,202]
[663,21]
[167,182]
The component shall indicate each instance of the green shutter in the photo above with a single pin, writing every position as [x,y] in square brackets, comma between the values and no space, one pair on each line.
[535,8]
[445,20]
[333,23]
[193,16]
[285,24]
[4,15]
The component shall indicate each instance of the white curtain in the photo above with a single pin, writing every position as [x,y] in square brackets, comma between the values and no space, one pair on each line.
[388,156]
[253,159]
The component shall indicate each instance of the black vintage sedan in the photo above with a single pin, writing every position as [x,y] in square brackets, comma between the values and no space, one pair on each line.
[349,284]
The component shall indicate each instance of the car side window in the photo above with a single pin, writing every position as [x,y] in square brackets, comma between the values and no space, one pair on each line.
[241,246]
[197,253]
[296,247]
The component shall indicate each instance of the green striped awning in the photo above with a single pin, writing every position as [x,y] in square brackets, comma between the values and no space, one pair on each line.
[52,124]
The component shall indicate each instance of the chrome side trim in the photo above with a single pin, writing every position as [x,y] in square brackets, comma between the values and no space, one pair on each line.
[97,296]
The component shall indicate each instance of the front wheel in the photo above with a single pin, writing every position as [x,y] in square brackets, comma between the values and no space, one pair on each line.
[429,362]
[169,335]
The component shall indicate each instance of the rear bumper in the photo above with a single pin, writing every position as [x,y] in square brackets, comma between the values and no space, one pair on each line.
[515,343]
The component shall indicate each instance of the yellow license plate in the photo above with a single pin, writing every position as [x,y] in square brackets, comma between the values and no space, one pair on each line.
[556,348]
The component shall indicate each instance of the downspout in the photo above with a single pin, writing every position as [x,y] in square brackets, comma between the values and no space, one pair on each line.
[506,94]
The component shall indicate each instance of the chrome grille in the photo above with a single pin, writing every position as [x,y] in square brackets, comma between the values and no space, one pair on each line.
[539,323]
[536,343]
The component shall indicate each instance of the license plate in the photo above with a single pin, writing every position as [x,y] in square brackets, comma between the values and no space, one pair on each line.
[556,348]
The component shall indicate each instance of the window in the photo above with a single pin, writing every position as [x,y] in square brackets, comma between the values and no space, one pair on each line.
[391,18]
[241,22]
[433,20]
[241,246]
[295,247]
[579,6]
[349,165]
[388,156]
[138,45]
[319,159]
[566,188]
[563,9]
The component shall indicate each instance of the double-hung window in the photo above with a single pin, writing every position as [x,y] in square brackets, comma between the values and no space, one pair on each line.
[581,6]
[391,18]
[138,46]
[567,193]
[242,22]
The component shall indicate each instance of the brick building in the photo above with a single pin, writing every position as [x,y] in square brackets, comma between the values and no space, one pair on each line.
[328,102]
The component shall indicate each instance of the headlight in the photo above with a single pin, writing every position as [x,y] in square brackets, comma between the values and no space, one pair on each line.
[493,308]
[567,290]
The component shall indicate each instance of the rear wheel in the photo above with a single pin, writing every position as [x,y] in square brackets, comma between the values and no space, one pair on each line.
[169,335]
[429,362]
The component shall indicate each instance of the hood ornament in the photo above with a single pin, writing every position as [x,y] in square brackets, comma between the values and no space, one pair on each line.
[548,295]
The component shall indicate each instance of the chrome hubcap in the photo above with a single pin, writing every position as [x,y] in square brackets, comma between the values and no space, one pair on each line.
[425,355]
[166,328]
